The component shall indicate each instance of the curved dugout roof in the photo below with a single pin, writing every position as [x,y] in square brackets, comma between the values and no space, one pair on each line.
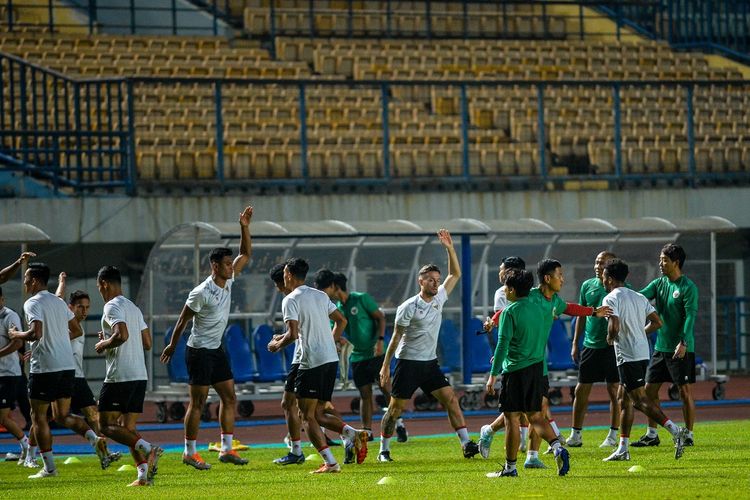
[21,232]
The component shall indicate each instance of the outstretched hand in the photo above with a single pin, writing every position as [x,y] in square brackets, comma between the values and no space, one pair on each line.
[602,311]
[246,215]
[26,256]
[445,238]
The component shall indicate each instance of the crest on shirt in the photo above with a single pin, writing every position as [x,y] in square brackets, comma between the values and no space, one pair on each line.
[354,310]
[675,294]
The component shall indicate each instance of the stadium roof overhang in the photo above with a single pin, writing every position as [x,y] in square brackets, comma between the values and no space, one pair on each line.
[22,233]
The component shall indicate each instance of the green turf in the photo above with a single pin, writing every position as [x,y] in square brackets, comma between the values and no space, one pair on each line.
[717,467]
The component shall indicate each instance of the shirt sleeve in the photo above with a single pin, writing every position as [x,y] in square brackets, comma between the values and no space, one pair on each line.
[613,303]
[69,313]
[141,322]
[332,307]
[369,303]
[196,300]
[290,309]
[650,291]
[33,311]
[13,320]
[504,334]
[112,314]
[442,295]
[501,300]
[690,300]
[404,313]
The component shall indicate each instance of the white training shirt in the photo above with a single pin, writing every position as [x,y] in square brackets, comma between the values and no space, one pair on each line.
[311,308]
[78,344]
[632,309]
[125,362]
[10,365]
[501,301]
[53,352]
[211,307]
[422,321]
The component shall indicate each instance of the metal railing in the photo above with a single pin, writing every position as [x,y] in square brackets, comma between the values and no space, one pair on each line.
[735,315]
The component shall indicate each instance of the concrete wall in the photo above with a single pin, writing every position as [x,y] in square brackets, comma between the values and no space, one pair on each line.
[115,219]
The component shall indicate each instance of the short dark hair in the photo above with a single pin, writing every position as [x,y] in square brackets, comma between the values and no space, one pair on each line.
[298,267]
[217,254]
[110,274]
[323,278]
[617,269]
[546,267]
[675,253]
[277,274]
[513,262]
[428,268]
[339,279]
[520,280]
[78,295]
[39,271]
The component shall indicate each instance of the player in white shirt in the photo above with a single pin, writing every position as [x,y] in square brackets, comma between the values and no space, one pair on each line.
[626,330]
[123,338]
[208,307]
[414,344]
[10,374]
[307,314]
[51,324]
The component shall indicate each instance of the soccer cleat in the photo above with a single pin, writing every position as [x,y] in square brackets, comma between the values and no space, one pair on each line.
[141,482]
[503,473]
[153,462]
[349,457]
[114,456]
[533,463]
[574,441]
[13,457]
[330,442]
[485,440]
[679,442]
[385,456]
[562,457]
[470,449]
[31,463]
[689,441]
[618,456]
[360,446]
[22,456]
[289,459]
[195,461]
[101,451]
[327,469]
[370,437]
[232,457]
[401,435]
[646,440]
[44,473]
[609,442]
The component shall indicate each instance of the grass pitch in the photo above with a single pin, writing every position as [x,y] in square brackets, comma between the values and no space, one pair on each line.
[717,467]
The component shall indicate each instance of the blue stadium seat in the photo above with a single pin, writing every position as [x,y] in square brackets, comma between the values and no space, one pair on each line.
[481,352]
[386,341]
[558,348]
[449,347]
[177,367]
[270,364]
[240,356]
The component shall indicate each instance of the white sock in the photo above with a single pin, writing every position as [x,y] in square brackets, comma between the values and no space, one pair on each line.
[624,444]
[399,422]
[671,427]
[524,433]
[92,437]
[690,434]
[142,471]
[327,456]
[652,432]
[190,448]
[612,433]
[555,445]
[553,424]
[385,443]
[24,443]
[348,432]
[49,461]
[297,447]
[531,454]
[226,442]
[463,435]
[143,446]
[31,455]
[510,466]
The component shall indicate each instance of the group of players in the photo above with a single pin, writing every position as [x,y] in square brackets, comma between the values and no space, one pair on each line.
[616,350]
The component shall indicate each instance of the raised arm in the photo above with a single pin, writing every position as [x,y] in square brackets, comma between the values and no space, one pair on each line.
[9,271]
[60,292]
[186,315]
[454,269]
[245,243]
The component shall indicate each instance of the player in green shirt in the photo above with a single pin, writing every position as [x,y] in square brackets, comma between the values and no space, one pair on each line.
[520,356]
[676,300]
[596,361]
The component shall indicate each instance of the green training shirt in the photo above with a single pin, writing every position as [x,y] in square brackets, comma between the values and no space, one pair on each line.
[361,329]
[522,336]
[592,294]
[552,308]
[677,305]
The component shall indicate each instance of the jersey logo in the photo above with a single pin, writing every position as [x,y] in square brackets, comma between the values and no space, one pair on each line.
[354,310]
[675,294]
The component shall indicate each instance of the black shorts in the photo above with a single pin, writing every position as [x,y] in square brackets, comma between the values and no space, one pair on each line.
[410,374]
[8,385]
[291,378]
[51,386]
[367,372]
[598,365]
[316,383]
[207,366]
[82,395]
[522,390]
[633,374]
[663,368]
[123,397]
[545,385]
